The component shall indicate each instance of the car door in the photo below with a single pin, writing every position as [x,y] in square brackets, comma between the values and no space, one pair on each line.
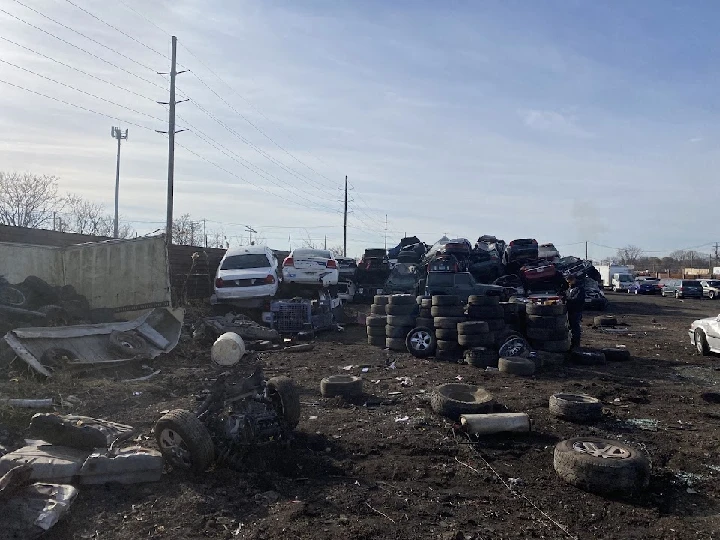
[712,334]
[463,286]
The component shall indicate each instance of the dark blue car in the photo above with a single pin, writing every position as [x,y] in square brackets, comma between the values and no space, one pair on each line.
[645,287]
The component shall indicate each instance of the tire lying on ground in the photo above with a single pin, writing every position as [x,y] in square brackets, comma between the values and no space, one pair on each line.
[447,311]
[587,357]
[481,357]
[449,323]
[559,346]
[376,320]
[284,395]
[127,344]
[376,341]
[446,334]
[575,407]
[616,354]
[477,300]
[344,386]
[443,345]
[396,344]
[551,310]
[403,300]
[516,366]
[381,300]
[472,328]
[445,300]
[453,399]
[601,466]
[476,340]
[375,331]
[547,334]
[184,441]
[427,322]
[549,322]
[485,313]
[402,309]
[398,332]
[421,342]
[605,320]
[401,320]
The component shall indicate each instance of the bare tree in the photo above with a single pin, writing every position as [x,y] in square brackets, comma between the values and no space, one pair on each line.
[86,217]
[629,254]
[28,200]
[187,232]
[337,250]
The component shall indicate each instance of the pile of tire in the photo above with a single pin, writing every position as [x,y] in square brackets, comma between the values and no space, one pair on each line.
[512,313]
[488,310]
[425,318]
[547,327]
[376,321]
[447,312]
[401,312]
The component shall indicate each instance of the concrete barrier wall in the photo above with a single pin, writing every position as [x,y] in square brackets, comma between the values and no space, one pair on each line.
[17,261]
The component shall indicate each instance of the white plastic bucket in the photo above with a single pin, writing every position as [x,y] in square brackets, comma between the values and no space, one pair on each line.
[486,424]
[228,349]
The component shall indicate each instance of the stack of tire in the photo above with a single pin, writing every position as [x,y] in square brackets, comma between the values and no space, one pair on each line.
[488,310]
[547,327]
[401,311]
[447,311]
[511,313]
[376,321]
[425,318]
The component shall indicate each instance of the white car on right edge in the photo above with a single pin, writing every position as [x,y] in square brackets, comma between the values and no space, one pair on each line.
[705,335]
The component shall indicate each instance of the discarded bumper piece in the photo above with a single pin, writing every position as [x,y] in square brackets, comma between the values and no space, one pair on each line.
[127,466]
[81,432]
[56,464]
[34,509]
[154,333]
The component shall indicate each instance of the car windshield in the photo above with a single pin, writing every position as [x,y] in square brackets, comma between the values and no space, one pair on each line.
[625,278]
[307,253]
[440,279]
[691,283]
[245,262]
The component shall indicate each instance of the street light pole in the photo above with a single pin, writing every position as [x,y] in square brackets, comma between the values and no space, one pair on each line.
[117,133]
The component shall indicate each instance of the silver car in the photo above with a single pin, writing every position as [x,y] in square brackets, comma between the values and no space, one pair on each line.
[705,335]
[711,288]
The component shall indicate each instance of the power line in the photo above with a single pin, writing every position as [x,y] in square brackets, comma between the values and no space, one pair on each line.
[83,50]
[76,105]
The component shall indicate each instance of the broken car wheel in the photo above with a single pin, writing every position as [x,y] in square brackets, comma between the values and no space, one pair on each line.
[516,366]
[344,386]
[285,398]
[127,344]
[575,407]
[184,441]
[616,354]
[601,465]
[453,399]
[605,320]
[421,342]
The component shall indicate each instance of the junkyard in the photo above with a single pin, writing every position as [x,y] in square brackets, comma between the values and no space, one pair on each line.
[363,447]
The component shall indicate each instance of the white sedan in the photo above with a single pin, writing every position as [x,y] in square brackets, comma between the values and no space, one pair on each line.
[705,335]
[311,267]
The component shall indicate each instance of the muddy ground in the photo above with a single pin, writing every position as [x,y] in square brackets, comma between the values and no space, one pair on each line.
[387,467]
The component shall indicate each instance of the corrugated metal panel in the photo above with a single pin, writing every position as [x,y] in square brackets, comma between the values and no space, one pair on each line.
[193,280]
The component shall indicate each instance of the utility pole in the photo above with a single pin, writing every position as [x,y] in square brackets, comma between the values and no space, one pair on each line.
[249,229]
[204,233]
[586,255]
[345,222]
[117,133]
[171,140]
[385,232]
[325,242]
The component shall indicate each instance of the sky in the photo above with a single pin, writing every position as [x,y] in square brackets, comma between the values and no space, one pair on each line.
[565,121]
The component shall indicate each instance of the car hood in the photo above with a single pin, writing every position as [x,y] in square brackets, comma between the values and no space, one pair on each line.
[250,273]
[699,322]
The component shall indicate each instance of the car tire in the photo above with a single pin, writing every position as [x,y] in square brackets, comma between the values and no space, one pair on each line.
[447,311]
[511,343]
[575,407]
[516,366]
[447,345]
[426,313]
[454,399]
[481,357]
[376,341]
[421,342]
[547,334]
[616,354]
[376,321]
[283,393]
[601,466]
[381,300]
[711,295]
[446,334]
[184,441]
[701,344]
[396,344]
[560,346]
[553,310]
[472,328]
[344,386]
[401,320]
[420,298]
[557,322]
[128,344]
[404,309]
[403,300]
[484,313]
[587,357]
[482,300]
[375,331]
[449,323]
[445,300]
[605,320]
[425,321]
[677,295]
[377,310]
[398,332]
[476,340]
[426,302]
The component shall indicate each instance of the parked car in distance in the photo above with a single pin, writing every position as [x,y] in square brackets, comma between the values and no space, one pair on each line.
[461,284]
[311,267]
[711,288]
[521,250]
[548,252]
[705,335]
[681,288]
[402,280]
[247,276]
[645,286]
[347,268]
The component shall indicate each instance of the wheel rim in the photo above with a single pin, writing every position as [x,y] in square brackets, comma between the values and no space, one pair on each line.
[174,447]
[601,450]
[421,340]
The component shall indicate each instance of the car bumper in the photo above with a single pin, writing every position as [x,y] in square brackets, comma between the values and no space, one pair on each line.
[304,278]
[224,294]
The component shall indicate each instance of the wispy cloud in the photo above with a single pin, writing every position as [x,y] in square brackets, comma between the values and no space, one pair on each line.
[553,122]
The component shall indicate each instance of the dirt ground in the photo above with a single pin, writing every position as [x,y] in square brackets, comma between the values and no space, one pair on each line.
[387,467]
